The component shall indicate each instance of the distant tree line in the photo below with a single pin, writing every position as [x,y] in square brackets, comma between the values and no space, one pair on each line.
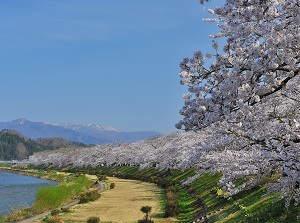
[14,146]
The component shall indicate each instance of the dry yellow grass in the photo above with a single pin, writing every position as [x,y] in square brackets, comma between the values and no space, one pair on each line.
[121,204]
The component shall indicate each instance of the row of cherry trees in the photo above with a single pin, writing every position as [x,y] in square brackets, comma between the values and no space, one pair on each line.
[169,151]
[249,96]
[241,112]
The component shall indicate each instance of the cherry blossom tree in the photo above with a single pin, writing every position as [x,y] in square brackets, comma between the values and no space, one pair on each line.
[243,108]
[249,95]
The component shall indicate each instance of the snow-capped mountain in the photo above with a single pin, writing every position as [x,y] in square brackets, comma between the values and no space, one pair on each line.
[83,127]
[86,133]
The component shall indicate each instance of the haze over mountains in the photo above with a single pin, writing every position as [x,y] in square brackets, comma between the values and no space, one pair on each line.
[86,133]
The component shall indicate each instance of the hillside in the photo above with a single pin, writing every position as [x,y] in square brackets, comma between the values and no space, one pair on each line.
[14,145]
[85,133]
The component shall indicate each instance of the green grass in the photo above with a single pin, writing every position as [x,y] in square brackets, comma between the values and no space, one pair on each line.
[187,206]
[1,218]
[250,206]
[246,206]
[5,165]
[49,198]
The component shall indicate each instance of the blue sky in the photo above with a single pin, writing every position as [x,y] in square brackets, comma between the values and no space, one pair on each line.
[109,62]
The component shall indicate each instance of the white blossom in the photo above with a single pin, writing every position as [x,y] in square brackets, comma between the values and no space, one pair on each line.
[251,96]
[243,108]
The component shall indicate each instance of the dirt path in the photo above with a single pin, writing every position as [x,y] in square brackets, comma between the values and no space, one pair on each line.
[121,204]
[35,218]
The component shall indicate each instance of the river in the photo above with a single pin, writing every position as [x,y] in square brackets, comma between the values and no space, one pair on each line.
[18,191]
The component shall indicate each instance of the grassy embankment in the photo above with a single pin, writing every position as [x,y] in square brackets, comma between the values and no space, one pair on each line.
[201,199]
[70,188]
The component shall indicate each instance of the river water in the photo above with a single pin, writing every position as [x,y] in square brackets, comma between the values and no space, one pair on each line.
[18,191]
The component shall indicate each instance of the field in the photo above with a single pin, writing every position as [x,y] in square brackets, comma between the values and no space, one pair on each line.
[200,200]
[121,204]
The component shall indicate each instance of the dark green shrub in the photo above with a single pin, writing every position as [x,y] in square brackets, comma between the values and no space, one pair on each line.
[93,195]
[55,212]
[155,179]
[89,196]
[172,207]
[101,177]
[171,189]
[145,221]
[83,199]
[164,183]
[93,220]
[46,219]
[112,185]
[172,210]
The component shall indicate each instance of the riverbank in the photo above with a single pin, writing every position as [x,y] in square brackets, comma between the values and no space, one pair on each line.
[18,191]
[69,190]
[128,196]
[23,170]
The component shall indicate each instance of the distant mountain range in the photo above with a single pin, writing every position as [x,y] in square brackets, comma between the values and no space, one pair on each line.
[86,133]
